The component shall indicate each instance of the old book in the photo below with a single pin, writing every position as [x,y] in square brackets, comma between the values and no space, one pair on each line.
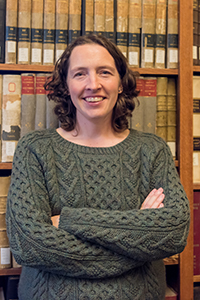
[99,16]
[11,31]
[171,115]
[40,109]
[137,119]
[62,11]
[36,32]
[28,103]
[74,19]
[122,26]
[198,45]
[172,34]
[2,30]
[196,129]
[109,20]
[171,294]
[24,32]
[195,32]
[149,98]
[1,94]
[196,234]
[12,287]
[4,186]
[49,32]
[134,32]
[87,26]
[11,115]
[160,34]
[148,33]
[161,107]
[5,254]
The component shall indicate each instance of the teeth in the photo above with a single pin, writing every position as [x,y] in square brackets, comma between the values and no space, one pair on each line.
[93,99]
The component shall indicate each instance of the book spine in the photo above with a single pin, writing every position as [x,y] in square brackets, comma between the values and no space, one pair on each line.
[62,11]
[51,117]
[196,234]
[122,26]
[40,110]
[160,34]
[148,33]
[137,119]
[36,32]
[150,90]
[27,103]
[49,32]
[161,107]
[134,32]
[2,30]
[109,21]
[74,19]
[172,34]
[11,115]
[195,32]
[5,254]
[11,31]
[196,129]
[171,115]
[1,93]
[88,17]
[198,42]
[24,31]
[99,16]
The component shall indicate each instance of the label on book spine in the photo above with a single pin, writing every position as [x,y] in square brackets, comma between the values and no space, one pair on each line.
[122,38]
[11,33]
[134,39]
[24,34]
[160,41]
[172,40]
[36,35]
[196,143]
[27,85]
[74,34]
[148,40]
[49,36]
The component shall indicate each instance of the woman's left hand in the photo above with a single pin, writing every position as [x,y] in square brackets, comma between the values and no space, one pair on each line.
[154,199]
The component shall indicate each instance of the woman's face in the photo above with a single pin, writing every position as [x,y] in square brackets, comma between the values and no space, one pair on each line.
[93,82]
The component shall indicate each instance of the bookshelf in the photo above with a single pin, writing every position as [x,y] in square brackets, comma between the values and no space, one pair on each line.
[184,75]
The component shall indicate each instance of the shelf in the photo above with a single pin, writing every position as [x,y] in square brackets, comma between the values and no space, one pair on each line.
[172,260]
[10,271]
[196,186]
[6,166]
[196,278]
[196,69]
[152,71]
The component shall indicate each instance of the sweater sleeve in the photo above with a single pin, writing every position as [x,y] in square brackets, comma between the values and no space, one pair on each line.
[35,242]
[144,235]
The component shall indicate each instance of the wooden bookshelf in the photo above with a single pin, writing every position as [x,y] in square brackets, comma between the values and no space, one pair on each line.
[196,186]
[10,271]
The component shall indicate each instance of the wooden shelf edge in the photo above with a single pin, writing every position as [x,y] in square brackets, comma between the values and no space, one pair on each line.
[5,166]
[196,278]
[10,271]
[196,186]
[196,69]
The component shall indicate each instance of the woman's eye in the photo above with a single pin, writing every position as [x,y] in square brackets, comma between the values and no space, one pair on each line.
[105,72]
[79,74]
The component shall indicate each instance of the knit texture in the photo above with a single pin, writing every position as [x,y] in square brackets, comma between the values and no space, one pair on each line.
[105,247]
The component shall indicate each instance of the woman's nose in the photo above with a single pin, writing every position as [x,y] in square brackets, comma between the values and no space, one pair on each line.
[93,82]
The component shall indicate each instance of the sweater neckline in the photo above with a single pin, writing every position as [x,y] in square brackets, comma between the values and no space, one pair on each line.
[64,143]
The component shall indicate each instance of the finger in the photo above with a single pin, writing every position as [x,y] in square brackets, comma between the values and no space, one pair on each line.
[158,201]
[148,198]
[152,197]
[161,205]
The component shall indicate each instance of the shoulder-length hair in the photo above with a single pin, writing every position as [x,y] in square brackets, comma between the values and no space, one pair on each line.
[57,88]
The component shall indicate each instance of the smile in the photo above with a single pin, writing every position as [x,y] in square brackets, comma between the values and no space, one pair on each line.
[94,99]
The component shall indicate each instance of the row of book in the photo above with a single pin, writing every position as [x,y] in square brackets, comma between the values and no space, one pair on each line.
[38,31]
[196,129]
[196,32]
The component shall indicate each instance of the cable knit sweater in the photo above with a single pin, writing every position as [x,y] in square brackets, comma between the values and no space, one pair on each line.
[105,247]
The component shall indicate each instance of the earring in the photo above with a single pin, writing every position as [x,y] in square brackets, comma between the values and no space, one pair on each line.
[120,90]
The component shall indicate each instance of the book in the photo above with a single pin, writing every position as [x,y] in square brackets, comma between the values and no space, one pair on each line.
[87,17]
[172,34]
[99,16]
[5,254]
[40,106]
[49,32]
[196,129]
[11,31]
[4,186]
[149,99]
[11,115]
[62,11]
[134,32]
[12,287]
[195,32]
[36,32]
[196,234]
[161,107]
[1,87]
[198,45]
[137,119]
[110,21]
[160,34]
[196,291]
[28,103]
[74,31]
[2,30]
[171,294]
[171,115]
[148,33]
[122,26]
[51,118]
[24,32]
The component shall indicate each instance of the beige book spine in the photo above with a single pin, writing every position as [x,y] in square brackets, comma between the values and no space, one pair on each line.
[11,115]
[122,26]
[171,115]
[49,32]
[89,16]
[62,11]
[148,33]
[160,37]
[36,32]
[1,86]
[11,31]
[172,34]
[99,16]
[74,19]
[24,32]
[134,32]
[109,20]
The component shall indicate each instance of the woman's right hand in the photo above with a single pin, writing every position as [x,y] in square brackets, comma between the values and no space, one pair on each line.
[154,199]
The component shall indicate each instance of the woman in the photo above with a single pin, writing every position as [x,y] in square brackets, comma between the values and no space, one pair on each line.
[121,204]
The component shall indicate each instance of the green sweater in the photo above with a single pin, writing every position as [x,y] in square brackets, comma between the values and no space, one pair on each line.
[105,247]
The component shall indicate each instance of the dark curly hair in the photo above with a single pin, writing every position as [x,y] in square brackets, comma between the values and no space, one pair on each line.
[57,89]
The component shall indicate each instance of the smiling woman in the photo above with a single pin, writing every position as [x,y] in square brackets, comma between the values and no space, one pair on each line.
[120,204]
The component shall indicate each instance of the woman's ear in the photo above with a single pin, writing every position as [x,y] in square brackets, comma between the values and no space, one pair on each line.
[120,90]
